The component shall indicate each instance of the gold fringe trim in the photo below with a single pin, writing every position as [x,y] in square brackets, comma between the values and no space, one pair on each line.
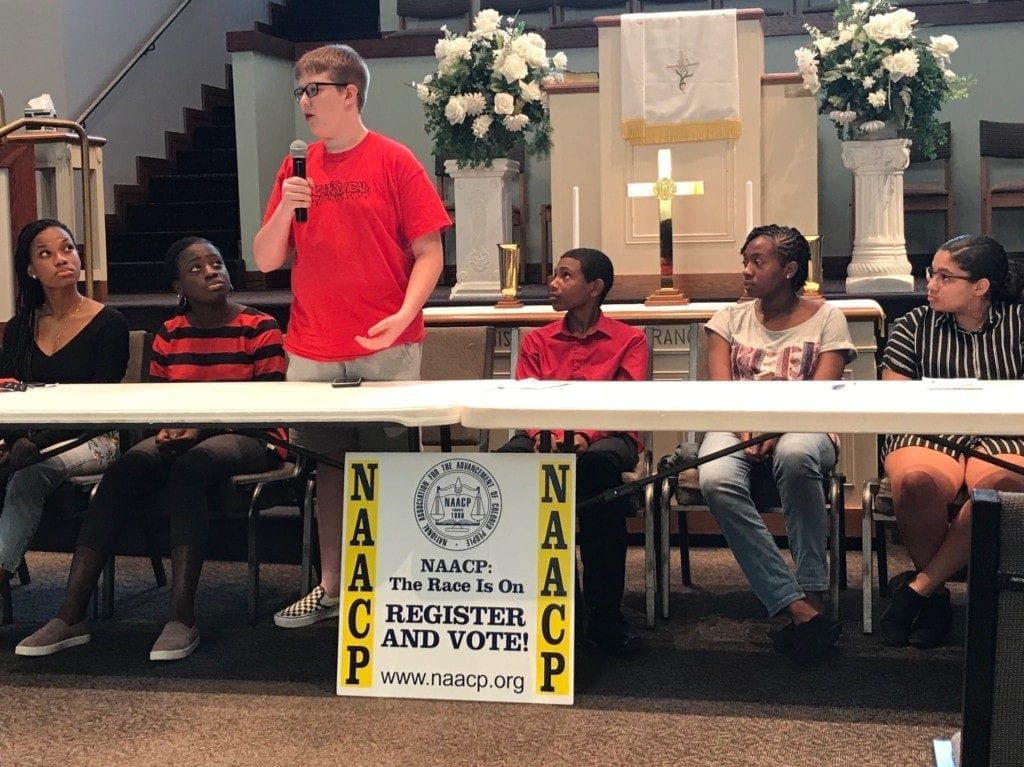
[639,132]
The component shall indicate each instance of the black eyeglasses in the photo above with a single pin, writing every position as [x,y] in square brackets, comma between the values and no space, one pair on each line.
[312,89]
[944,277]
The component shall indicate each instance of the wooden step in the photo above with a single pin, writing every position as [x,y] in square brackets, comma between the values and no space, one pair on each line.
[204,160]
[181,216]
[152,246]
[193,187]
[214,136]
[151,277]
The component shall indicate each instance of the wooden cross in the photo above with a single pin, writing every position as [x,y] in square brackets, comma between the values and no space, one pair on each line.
[665,189]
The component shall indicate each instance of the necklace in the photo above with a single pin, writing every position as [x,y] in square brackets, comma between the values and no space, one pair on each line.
[67,322]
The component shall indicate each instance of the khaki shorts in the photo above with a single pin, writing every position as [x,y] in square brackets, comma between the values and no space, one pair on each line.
[399,363]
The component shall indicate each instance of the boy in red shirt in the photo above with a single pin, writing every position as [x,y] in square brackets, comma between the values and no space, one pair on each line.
[365,261]
[587,346]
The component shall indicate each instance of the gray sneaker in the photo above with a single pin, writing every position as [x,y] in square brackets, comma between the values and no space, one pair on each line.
[175,642]
[55,636]
[312,608]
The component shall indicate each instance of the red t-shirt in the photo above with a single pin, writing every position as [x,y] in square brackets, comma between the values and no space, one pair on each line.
[352,256]
[611,351]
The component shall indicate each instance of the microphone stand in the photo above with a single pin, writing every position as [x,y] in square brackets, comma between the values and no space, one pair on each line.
[673,469]
[676,467]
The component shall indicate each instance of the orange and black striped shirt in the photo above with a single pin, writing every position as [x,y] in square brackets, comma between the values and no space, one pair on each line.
[249,348]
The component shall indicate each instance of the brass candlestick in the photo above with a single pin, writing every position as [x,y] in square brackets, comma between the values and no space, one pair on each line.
[508,272]
[812,286]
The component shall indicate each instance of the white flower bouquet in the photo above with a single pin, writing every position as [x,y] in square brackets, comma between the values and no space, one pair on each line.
[872,72]
[486,96]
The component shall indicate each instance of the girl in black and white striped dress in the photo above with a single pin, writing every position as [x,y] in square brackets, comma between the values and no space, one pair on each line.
[971,328]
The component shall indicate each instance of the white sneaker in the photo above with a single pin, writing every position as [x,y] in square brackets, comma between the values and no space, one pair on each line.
[312,608]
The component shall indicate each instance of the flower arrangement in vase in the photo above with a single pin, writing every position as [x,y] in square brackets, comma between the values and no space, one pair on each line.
[876,78]
[486,96]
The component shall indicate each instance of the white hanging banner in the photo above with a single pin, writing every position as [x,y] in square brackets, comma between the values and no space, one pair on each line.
[680,77]
[458,577]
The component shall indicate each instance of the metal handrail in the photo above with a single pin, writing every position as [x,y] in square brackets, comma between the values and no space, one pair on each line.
[147,46]
[87,213]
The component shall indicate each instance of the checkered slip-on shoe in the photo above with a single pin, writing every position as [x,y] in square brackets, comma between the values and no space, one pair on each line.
[312,608]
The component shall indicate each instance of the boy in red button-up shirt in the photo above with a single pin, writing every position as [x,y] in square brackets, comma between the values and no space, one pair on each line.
[587,346]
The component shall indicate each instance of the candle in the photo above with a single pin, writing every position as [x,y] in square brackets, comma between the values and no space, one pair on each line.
[575,216]
[750,207]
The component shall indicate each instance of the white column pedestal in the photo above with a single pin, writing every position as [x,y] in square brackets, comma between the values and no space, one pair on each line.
[483,218]
[879,262]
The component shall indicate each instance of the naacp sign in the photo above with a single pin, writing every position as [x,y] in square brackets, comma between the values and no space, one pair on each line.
[458,575]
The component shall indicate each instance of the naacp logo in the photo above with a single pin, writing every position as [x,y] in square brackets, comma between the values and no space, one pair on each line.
[457,505]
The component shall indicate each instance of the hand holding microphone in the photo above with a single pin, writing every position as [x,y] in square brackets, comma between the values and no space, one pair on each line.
[298,152]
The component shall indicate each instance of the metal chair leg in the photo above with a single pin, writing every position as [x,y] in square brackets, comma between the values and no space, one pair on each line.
[106,594]
[159,573]
[6,604]
[23,574]
[650,556]
[883,560]
[306,574]
[664,549]
[684,547]
[837,551]
[254,565]
[866,529]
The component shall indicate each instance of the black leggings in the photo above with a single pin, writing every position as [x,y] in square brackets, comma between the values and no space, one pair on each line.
[147,476]
[602,526]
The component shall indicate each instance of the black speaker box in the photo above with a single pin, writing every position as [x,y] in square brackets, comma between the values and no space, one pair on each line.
[994,658]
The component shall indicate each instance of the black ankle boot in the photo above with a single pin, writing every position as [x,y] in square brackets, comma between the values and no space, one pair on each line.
[898,620]
[933,622]
[611,633]
[813,638]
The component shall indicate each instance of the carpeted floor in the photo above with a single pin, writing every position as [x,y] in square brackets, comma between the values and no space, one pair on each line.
[708,690]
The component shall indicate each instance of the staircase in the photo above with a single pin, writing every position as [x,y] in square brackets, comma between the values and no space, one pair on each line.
[193,191]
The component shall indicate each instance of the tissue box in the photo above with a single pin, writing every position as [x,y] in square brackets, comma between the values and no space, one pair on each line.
[40,113]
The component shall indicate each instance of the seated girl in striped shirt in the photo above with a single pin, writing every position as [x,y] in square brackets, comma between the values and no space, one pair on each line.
[969,329]
[211,339]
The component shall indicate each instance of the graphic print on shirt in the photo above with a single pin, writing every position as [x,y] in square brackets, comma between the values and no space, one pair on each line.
[790,363]
[333,191]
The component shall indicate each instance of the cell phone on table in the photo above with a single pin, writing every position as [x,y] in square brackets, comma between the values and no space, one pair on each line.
[340,383]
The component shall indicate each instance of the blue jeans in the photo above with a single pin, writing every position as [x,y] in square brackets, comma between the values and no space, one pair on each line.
[28,490]
[798,465]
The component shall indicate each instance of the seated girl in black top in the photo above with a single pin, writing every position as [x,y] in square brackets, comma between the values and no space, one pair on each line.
[57,335]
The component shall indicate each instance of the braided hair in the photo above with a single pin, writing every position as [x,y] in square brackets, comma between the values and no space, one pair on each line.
[790,245]
[16,356]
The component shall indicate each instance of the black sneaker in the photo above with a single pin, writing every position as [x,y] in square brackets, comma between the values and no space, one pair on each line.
[897,621]
[611,634]
[814,638]
[783,638]
[933,621]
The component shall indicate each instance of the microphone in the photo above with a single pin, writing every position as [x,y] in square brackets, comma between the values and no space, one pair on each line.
[298,152]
